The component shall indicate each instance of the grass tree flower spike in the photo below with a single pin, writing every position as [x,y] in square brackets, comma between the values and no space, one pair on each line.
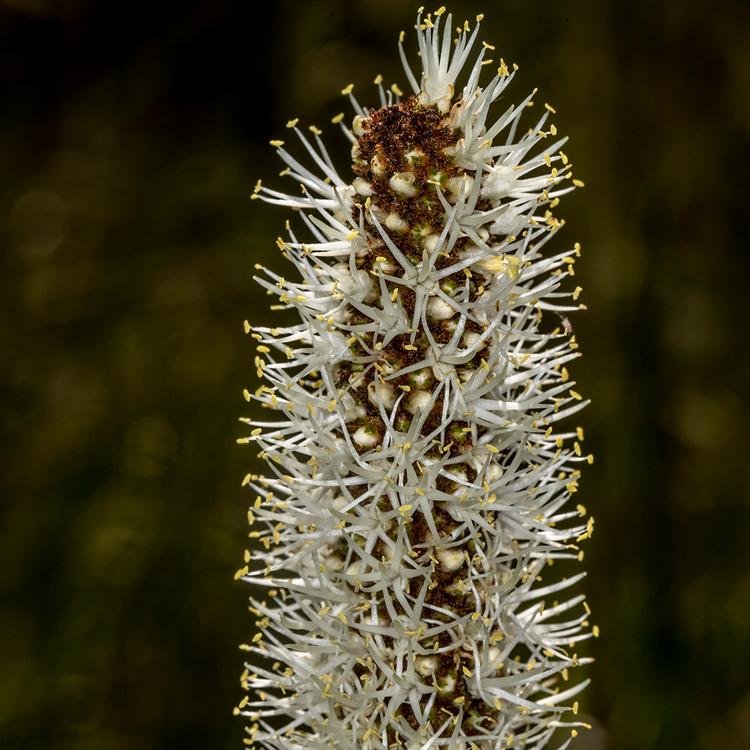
[420,466]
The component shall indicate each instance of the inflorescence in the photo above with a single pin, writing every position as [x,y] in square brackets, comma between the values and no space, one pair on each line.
[419,482]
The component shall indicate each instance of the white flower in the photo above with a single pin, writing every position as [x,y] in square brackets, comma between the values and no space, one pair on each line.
[419,476]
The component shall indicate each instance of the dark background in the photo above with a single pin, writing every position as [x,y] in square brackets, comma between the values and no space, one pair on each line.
[131,135]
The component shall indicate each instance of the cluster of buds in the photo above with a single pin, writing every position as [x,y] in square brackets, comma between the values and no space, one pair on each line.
[420,479]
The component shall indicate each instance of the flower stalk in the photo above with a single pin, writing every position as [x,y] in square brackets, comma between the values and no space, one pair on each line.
[420,466]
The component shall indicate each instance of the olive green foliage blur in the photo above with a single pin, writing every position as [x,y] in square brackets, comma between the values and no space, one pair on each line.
[131,136]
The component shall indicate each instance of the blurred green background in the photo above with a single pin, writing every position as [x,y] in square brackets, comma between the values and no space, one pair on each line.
[131,135]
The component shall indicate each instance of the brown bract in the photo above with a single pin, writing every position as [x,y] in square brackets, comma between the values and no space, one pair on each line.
[407,137]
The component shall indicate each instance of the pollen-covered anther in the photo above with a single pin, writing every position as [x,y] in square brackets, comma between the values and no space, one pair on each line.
[508,265]
[402,183]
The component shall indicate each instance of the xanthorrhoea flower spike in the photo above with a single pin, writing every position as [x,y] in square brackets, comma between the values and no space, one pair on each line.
[419,479]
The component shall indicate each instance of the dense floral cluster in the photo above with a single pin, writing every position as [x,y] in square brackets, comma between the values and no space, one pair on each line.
[419,483]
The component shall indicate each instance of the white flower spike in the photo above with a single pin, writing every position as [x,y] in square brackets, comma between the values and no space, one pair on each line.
[419,479]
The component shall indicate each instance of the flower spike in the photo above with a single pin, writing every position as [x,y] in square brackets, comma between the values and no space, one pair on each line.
[420,466]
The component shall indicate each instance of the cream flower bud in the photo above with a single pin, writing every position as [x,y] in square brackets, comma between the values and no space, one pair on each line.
[446,682]
[439,309]
[363,187]
[366,437]
[381,394]
[450,559]
[357,128]
[418,400]
[402,183]
[420,378]
[427,665]
[395,223]
[470,339]
[377,165]
[431,242]
[460,185]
